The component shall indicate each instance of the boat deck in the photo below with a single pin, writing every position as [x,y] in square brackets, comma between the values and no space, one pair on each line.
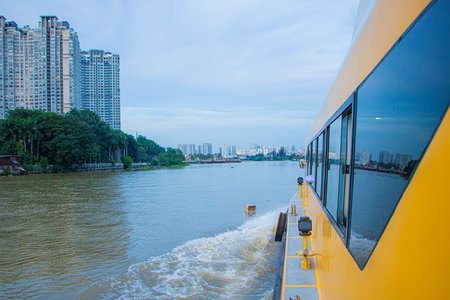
[297,281]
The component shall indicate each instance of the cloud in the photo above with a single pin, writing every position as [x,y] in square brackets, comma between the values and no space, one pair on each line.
[227,69]
[240,44]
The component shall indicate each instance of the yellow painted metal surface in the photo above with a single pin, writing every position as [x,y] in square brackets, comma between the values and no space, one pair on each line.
[411,260]
[298,281]
[388,21]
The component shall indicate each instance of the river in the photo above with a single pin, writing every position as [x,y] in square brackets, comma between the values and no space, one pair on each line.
[148,234]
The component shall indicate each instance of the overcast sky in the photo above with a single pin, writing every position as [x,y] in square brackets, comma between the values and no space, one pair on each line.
[225,72]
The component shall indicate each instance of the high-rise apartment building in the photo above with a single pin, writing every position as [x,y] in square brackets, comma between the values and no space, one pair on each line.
[101,85]
[384,157]
[207,148]
[40,67]
[227,150]
[71,71]
[188,149]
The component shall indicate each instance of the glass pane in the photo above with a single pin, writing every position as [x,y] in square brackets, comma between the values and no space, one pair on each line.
[319,165]
[399,108]
[309,159]
[334,154]
[341,221]
[314,162]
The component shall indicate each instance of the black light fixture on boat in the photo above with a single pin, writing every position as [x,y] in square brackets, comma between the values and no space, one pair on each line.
[304,226]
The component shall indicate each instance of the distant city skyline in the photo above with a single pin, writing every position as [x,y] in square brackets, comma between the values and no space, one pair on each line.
[233,150]
[222,71]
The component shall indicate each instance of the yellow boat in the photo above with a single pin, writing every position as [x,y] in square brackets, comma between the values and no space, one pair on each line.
[378,164]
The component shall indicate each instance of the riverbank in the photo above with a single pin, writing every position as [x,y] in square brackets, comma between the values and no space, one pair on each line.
[99,167]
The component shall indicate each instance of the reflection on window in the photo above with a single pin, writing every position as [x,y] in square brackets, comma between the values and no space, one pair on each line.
[319,165]
[399,108]
[344,171]
[309,159]
[333,163]
[314,162]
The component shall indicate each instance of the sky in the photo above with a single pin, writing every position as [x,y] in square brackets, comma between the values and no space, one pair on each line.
[224,71]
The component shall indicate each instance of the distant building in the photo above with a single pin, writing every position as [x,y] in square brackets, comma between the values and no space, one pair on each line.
[233,150]
[266,150]
[228,150]
[224,150]
[402,159]
[207,148]
[364,158]
[257,148]
[384,157]
[44,68]
[101,85]
[188,149]
[40,67]
[246,152]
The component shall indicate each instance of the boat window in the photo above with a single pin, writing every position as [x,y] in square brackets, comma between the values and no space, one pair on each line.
[333,166]
[320,153]
[399,107]
[344,169]
[308,158]
[314,162]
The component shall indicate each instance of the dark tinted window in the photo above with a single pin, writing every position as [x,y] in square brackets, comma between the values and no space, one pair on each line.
[309,159]
[314,162]
[333,163]
[399,108]
[319,165]
[344,169]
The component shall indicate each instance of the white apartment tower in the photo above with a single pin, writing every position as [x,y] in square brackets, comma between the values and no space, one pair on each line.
[101,85]
[61,59]
[40,67]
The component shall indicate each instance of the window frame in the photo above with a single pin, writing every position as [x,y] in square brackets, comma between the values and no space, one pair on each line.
[349,104]
[314,163]
[320,193]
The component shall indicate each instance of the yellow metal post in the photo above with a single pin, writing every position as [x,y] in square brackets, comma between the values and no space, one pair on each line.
[305,260]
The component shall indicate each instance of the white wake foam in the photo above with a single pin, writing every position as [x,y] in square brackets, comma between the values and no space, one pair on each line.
[238,264]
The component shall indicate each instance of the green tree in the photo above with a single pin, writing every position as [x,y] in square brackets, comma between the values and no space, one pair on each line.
[44,163]
[127,162]
[171,157]
[78,137]
[77,144]
[147,150]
